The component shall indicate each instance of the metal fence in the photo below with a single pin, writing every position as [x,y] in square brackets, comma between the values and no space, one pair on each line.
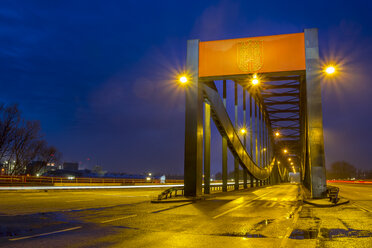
[6,180]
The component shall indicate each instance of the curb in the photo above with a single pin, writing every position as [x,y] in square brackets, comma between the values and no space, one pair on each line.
[327,205]
[194,199]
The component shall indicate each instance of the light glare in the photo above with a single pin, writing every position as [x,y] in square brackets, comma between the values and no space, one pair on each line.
[330,70]
[183,79]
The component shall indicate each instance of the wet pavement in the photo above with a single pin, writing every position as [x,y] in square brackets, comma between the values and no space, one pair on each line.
[272,216]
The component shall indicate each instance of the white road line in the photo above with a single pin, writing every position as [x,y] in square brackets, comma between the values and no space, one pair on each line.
[121,218]
[81,200]
[239,206]
[45,234]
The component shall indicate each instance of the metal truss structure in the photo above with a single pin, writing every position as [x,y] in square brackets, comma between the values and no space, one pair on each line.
[286,102]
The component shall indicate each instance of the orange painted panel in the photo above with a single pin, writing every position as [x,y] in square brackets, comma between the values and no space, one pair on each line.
[277,53]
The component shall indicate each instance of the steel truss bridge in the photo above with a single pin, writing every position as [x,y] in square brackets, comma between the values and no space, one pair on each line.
[282,114]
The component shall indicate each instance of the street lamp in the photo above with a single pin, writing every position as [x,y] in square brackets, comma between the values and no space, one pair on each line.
[183,79]
[285,150]
[243,131]
[277,134]
[289,159]
[255,80]
[330,70]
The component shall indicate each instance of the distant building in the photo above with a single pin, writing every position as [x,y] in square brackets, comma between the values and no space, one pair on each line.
[36,168]
[70,166]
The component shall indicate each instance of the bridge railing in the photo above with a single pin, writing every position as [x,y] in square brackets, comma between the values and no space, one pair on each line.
[6,180]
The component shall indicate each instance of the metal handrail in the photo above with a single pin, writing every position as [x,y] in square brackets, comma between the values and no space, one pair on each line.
[6,179]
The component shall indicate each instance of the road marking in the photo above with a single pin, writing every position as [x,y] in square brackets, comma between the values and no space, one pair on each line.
[121,218]
[39,197]
[81,200]
[45,234]
[239,206]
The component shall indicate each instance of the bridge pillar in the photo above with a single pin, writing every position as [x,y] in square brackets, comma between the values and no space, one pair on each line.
[193,165]
[207,148]
[251,180]
[236,161]
[224,147]
[316,160]
[245,171]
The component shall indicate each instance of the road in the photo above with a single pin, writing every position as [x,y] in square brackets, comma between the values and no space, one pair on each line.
[269,216]
[359,194]
[119,218]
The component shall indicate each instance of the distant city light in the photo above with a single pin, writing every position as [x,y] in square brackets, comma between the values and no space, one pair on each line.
[148,178]
[291,163]
[243,131]
[285,150]
[277,134]
[289,159]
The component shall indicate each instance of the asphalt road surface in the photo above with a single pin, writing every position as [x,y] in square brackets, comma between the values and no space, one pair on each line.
[269,216]
[360,195]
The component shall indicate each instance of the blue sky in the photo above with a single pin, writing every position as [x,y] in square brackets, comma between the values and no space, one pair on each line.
[97,73]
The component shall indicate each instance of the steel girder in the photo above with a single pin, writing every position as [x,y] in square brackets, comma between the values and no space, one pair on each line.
[226,129]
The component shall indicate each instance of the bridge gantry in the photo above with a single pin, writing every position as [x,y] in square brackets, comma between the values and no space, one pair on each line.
[282,114]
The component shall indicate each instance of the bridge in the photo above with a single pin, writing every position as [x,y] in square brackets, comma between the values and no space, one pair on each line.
[279,79]
[276,82]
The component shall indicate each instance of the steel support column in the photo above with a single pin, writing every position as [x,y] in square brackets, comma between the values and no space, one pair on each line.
[316,160]
[250,127]
[224,147]
[193,166]
[245,171]
[236,161]
[256,132]
[207,148]
[259,131]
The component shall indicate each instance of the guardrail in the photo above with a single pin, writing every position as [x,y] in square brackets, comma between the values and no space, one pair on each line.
[349,181]
[4,179]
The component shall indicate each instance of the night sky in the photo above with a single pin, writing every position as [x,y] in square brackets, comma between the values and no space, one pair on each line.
[98,74]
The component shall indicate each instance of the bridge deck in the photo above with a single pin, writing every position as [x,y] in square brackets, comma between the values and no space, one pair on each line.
[257,217]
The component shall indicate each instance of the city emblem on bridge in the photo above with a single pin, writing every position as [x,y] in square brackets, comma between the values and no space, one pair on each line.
[250,55]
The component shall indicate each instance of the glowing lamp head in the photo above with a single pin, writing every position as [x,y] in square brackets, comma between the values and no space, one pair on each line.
[289,159]
[291,163]
[183,79]
[255,80]
[330,70]
[277,134]
[285,150]
[243,131]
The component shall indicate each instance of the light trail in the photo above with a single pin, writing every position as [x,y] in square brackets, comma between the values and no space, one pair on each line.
[97,187]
